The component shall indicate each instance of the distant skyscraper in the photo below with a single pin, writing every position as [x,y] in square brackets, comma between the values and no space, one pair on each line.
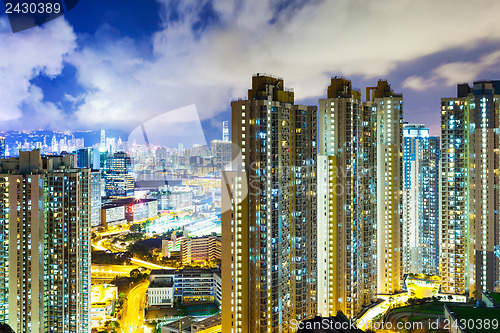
[119,176]
[389,107]
[55,146]
[83,158]
[470,194]
[119,145]
[95,198]
[45,244]
[225,131]
[2,147]
[346,202]
[111,145]
[221,150]
[269,227]
[103,140]
[420,201]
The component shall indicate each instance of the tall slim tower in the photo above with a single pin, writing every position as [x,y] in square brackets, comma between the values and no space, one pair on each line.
[45,250]
[470,181]
[389,107]
[103,140]
[483,101]
[269,212]
[346,202]
[421,158]
[225,131]
[455,238]
[2,147]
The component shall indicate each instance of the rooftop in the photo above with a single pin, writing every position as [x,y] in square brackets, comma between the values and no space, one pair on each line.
[476,314]
[161,283]
[495,297]
[186,271]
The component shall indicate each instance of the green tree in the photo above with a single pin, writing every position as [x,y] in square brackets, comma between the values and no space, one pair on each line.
[111,326]
[412,302]
[135,273]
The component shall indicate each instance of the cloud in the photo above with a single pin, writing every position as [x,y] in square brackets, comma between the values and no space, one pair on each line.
[455,72]
[205,52]
[24,56]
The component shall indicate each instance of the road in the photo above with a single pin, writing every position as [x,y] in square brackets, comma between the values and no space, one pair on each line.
[133,321]
[106,271]
[381,308]
[100,246]
[114,232]
[149,265]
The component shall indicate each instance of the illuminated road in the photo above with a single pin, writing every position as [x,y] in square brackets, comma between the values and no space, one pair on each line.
[149,265]
[133,321]
[115,232]
[111,270]
[381,308]
[99,245]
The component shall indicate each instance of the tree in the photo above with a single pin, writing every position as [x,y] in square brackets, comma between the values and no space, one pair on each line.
[178,302]
[121,299]
[111,326]
[134,274]
[412,302]
[5,328]
[136,227]
[391,300]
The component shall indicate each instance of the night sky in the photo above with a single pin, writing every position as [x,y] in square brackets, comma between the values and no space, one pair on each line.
[115,64]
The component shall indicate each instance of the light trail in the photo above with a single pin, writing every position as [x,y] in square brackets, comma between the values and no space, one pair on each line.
[150,264]
[142,262]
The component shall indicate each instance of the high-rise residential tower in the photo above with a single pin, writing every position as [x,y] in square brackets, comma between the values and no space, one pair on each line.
[45,244]
[421,157]
[469,189]
[389,108]
[269,212]
[346,201]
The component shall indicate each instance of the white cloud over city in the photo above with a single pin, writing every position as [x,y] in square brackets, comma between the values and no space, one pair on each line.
[24,56]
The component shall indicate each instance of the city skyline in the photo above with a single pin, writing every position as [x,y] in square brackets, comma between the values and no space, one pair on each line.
[389,209]
[323,209]
[248,166]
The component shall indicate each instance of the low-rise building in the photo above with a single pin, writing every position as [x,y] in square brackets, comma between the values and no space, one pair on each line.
[464,318]
[490,299]
[161,291]
[172,198]
[103,301]
[200,249]
[128,210]
[205,324]
[112,215]
[186,285]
